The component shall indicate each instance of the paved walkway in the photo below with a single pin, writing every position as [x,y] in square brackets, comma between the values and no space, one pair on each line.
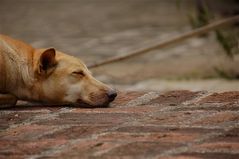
[169,125]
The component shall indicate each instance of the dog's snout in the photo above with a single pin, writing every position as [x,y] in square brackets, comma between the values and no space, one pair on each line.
[111,95]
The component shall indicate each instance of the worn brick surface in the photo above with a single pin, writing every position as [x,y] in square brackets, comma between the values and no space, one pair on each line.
[174,97]
[222,97]
[218,118]
[12,117]
[125,97]
[204,156]
[170,125]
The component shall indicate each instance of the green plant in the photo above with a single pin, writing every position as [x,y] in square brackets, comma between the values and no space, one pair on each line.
[226,74]
[228,39]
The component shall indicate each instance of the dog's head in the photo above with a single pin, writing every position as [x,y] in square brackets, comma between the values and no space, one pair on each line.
[66,79]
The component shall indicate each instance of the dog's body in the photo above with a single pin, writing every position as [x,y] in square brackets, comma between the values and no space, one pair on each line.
[47,75]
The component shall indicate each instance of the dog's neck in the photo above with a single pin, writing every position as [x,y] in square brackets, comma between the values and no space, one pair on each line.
[15,58]
[2,74]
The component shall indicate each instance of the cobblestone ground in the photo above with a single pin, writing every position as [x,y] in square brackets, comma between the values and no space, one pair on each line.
[168,125]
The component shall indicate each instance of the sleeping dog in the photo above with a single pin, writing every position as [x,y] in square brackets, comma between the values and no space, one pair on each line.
[47,75]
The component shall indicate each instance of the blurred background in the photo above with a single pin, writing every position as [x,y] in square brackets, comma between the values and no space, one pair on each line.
[97,29]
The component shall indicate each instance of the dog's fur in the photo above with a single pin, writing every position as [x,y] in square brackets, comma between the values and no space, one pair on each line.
[47,75]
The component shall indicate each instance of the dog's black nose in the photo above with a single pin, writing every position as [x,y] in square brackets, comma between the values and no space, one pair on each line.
[111,95]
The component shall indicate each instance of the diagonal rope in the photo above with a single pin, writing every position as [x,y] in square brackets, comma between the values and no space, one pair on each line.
[179,38]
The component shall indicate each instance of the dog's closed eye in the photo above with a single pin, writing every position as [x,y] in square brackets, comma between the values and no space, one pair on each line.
[78,73]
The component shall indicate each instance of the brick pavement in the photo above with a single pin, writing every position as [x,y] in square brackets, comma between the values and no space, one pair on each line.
[168,125]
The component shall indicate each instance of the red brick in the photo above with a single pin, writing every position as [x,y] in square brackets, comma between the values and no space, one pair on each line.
[158,129]
[99,149]
[226,142]
[3,156]
[221,97]
[125,97]
[22,147]
[232,133]
[128,110]
[25,132]
[181,157]
[218,118]
[15,117]
[173,118]
[174,97]
[90,119]
[149,133]
[87,149]
[170,137]
[231,106]
[218,146]
[203,156]
[139,150]
[76,132]
[34,107]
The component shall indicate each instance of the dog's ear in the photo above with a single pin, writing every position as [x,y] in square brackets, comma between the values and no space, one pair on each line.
[47,61]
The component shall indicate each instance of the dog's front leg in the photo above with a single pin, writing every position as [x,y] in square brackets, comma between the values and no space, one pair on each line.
[7,100]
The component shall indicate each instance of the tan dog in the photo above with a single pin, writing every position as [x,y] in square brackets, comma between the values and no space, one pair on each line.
[47,75]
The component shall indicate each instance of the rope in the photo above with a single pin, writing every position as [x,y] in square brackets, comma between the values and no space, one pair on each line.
[179,38]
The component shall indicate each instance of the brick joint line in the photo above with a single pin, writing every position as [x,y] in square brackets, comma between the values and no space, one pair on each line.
[188,146]
[38,118]
[142,99]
